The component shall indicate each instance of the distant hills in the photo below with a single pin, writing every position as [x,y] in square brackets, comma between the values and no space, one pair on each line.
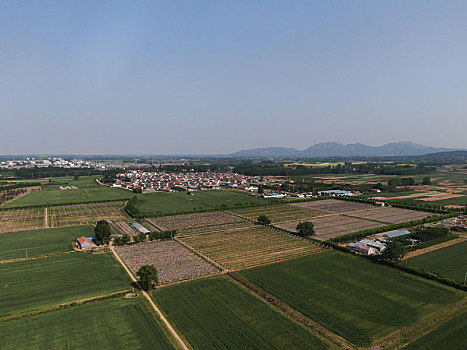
[335,149]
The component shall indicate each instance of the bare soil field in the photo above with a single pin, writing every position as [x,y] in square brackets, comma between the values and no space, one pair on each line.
[392,215]
[334,206]
[441,197]
[332,226]
[279,213]
[82,214]
[173,261]
[21,219]
[243,248]
[188,221]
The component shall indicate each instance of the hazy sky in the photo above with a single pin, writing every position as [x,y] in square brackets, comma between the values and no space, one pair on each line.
[219,76]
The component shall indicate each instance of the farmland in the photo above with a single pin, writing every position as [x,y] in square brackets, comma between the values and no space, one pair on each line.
[46,241]
[335,206]
[195,220]
[392,215]
[21,219]
[450,262]
[32,284]
[88,191]
[246,247]
[82,214]
[327,227]
[123,228]
[163,202]
[121,324]
[173,261]
[449,336]
[225,316]
[279,213]
[352,297]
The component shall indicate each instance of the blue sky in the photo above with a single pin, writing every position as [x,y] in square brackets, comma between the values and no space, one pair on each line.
[219,76]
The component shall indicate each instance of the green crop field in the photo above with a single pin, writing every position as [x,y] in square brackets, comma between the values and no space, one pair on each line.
[88,191]
[450,336]
[116,324]
[216,314]
[37,283]
[450,262]
[354,298]
[163,202]
[38,242]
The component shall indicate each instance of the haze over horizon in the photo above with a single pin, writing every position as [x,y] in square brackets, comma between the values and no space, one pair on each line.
[213,78]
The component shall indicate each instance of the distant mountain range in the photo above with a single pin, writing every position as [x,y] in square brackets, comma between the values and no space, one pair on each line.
[335,149]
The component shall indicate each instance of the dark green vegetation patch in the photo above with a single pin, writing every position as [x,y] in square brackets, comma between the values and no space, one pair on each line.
[450,336]
[163,202]
[88,191]
[450,262]
[37,283]
[217,314]
[38,242]
[354,298]
[117,324]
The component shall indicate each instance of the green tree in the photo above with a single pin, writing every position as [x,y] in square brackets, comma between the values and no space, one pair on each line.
[260,189]
[125,239]
[305,229]
[118,241]
[147,276]
[141,237]
[263,220]
[394,251]
[426,180]
[102,232]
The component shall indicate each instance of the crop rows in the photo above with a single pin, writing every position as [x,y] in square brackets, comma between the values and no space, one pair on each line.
[242,248]
[81,214]
[124,228]
[392,215]
[185,221]
[21,219]
[279,213]
[334,206]
[172,261]
[335,225]
[214,228]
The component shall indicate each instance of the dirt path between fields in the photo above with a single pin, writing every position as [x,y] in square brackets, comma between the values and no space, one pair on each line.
[435,247]
[46,218]
[35,257]
[151,302]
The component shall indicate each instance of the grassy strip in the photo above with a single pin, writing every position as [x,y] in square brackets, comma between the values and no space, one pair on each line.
[434,242]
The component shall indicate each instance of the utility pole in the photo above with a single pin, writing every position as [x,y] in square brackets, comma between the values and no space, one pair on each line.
[26,253]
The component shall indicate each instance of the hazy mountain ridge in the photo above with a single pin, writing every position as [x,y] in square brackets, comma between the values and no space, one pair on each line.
[335,149]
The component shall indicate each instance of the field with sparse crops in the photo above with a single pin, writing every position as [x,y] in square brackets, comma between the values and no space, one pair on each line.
[392,215]
[352,297]
[279,213]
[37,283]
[246,247]
[216,313]
[335,206]
[193,221]
[450,262]
[21,219]
[83,214]
[173,261]
[114,324]
[38,242]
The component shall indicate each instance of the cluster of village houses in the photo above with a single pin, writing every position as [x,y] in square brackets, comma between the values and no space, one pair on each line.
[162,181]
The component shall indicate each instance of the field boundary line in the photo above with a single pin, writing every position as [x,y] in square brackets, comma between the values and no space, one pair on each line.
[36,257]
[190,280]
[209,260]
[46,218]
[63,305]
[294,314]
[151,302]
[409,334]
[434,247]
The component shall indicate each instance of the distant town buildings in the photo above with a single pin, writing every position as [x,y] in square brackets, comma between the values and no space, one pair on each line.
[162,181]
